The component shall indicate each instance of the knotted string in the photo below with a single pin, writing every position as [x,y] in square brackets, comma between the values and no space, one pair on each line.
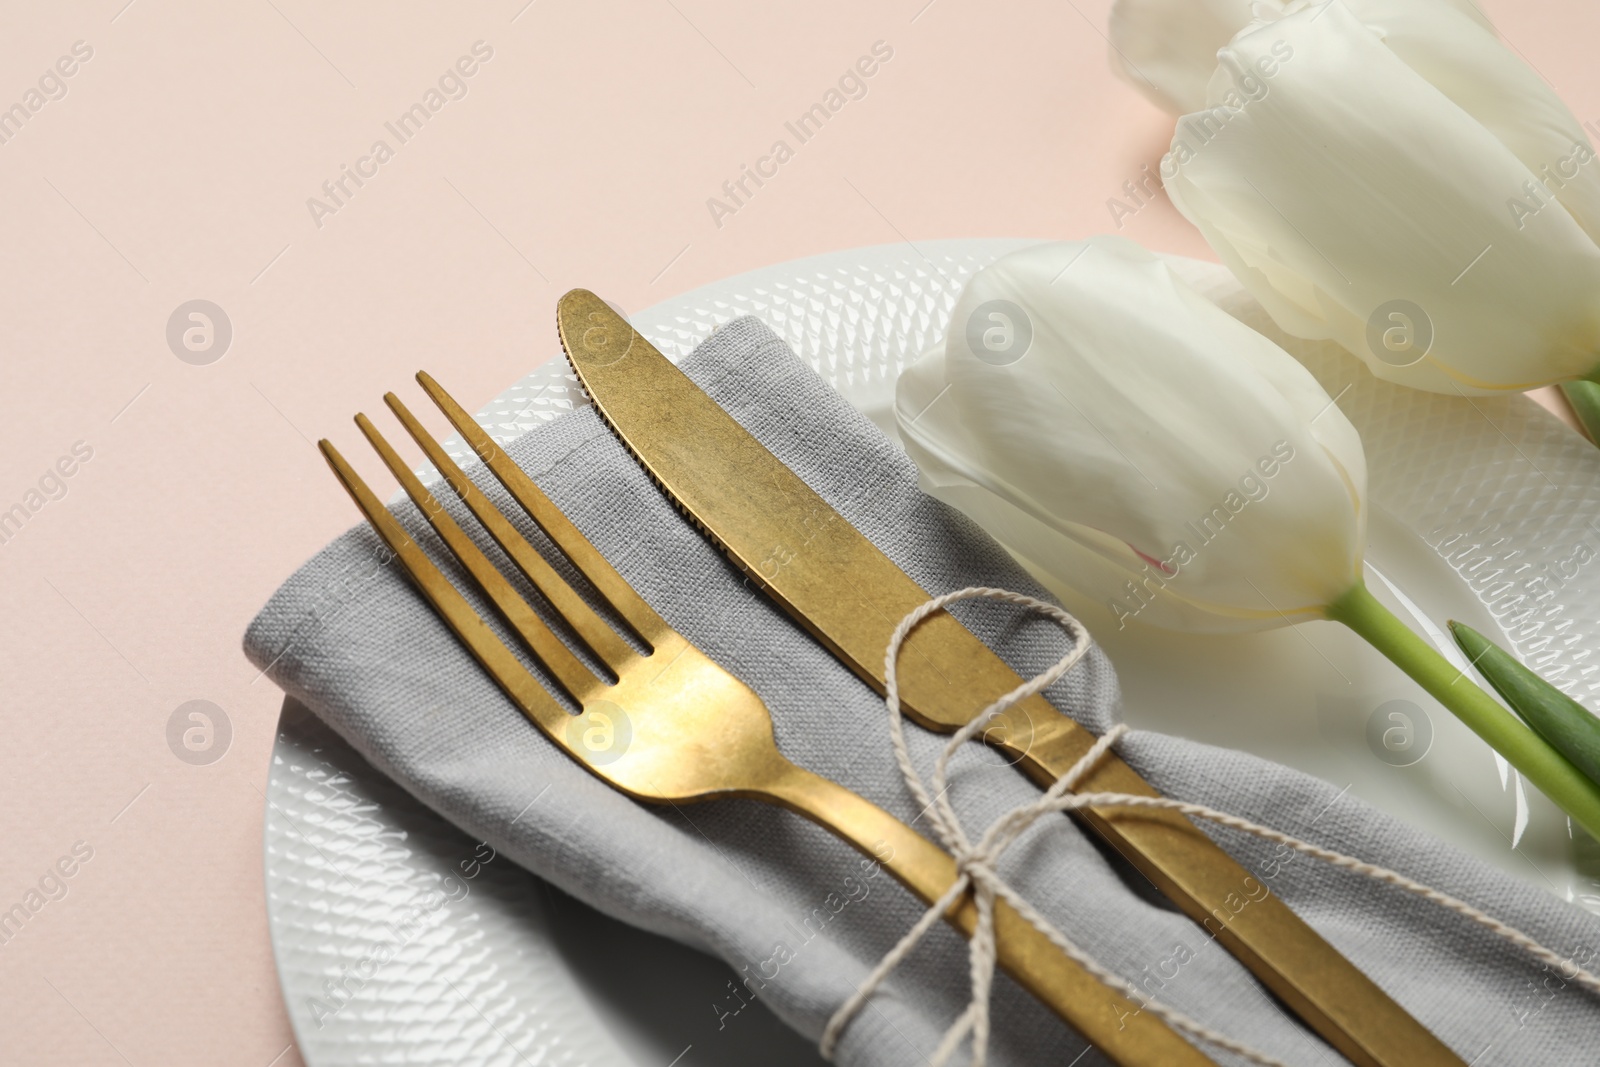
[976,862]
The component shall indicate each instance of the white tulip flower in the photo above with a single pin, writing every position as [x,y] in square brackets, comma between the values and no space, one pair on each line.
[1400,182]
[1105,421]
[1112,426]
[1167,49]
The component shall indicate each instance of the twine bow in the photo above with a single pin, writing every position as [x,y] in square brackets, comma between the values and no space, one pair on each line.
[976,862]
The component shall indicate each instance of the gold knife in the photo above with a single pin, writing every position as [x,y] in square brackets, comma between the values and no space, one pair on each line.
[850,596]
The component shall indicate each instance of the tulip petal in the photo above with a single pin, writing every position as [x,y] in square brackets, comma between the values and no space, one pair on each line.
[1452,46]
[1360,203]
[1142,444]
[1167,49]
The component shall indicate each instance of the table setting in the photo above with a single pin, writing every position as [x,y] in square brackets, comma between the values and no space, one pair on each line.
[791,387]
[993,650]
[752,567]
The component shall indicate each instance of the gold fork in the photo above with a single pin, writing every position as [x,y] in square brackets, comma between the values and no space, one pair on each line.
[674,727]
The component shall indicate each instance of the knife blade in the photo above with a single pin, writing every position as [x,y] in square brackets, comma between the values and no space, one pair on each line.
[842,589]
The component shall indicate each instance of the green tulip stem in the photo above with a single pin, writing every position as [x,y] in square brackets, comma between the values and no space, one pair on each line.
[1525,750]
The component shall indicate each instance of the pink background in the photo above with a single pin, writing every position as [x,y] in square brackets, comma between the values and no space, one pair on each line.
[178,166]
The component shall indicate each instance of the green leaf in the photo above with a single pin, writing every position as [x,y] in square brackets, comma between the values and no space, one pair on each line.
[1584,396]
[1571,729]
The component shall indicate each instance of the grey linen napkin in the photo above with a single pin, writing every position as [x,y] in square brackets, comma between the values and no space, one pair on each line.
[793,910]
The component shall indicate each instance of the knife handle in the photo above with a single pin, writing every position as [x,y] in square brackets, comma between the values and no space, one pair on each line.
[1328,992]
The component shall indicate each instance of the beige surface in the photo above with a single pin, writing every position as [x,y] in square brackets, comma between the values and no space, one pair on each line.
[178,166]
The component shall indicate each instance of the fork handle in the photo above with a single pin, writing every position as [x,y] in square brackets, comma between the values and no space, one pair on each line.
[1111,1022]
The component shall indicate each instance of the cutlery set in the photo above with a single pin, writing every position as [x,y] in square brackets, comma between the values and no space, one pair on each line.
[689,730]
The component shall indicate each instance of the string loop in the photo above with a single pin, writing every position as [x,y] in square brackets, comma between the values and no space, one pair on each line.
[976,861]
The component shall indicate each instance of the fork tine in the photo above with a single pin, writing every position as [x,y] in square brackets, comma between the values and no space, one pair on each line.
[591,629]
[573,677]
[640,616]
[503,666]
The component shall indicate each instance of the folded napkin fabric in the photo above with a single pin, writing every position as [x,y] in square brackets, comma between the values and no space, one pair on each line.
[793,910]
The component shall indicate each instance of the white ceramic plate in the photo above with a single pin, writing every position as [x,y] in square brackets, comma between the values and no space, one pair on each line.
[398,940]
